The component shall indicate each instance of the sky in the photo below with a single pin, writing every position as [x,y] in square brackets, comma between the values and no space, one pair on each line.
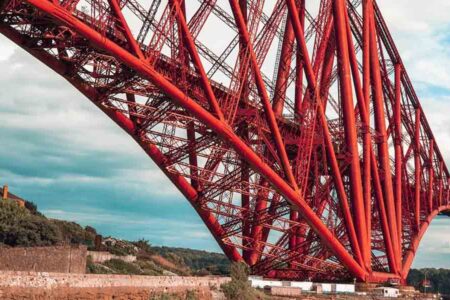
[62,153]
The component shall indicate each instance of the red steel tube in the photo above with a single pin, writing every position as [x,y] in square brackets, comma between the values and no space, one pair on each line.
[430,177]
[366,92]
[350,126]
[417,168]
[300,65]
[398,150]
[441,183]
[383,215]
[367,142]
[284,69]
[383,152]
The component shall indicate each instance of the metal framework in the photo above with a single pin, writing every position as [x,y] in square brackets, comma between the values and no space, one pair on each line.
[291,126]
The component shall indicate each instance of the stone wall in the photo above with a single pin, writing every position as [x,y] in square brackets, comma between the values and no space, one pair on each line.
[52,280]
[120,293]
[39,285]
[63,259]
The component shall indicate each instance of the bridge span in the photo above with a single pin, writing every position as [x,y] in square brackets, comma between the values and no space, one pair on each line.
[292,127]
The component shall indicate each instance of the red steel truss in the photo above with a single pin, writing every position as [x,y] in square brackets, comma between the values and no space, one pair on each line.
[291,126]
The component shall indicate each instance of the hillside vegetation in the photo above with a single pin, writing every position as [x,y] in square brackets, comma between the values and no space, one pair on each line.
[439,280]
[27,227]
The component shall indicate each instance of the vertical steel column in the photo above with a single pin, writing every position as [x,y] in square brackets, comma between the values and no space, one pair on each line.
[441,183]
[417,167]
[430,177]
[190,131]
[245,171]
[300,65]
[284,69]
[383,215]
[351,138]
[257,228]
[245,204]
[383,152]
[398,150]
[447,194]
[366,90]
[367,138]
[327,71]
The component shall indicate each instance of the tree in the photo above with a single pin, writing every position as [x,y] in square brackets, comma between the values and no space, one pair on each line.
[239,288]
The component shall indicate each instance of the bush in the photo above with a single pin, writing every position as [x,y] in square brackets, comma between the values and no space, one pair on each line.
[18,227]
[31,207]
[239,288]
[148,267]
[27,227]
[144,245]
[72,233]
[91,230]
[122,267]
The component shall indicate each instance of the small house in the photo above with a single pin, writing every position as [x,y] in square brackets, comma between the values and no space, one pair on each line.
[387,292]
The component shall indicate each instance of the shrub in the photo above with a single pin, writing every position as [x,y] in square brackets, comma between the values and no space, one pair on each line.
[18,227]
[90,229]
[239,288]
[31,207]
[72,233]
[122,267]
[148,267]
[144,245]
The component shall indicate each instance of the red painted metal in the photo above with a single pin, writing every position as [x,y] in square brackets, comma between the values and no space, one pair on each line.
[287,173]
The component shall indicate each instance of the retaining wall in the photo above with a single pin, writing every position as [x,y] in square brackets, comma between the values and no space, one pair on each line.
[63,259]
[39,285]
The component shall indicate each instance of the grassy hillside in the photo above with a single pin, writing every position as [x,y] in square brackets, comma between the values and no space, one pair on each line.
[200,261]
[26,226]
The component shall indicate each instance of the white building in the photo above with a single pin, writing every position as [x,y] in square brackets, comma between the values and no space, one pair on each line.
[388,292]
[307,286]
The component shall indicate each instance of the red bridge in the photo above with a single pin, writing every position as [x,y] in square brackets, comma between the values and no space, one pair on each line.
[291,126]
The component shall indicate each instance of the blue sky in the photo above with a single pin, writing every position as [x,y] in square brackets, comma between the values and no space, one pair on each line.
[61,152]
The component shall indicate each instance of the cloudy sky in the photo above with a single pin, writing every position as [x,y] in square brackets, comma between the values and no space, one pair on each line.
[61,152]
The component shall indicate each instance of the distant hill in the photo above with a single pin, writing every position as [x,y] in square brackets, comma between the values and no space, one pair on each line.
[26,226]
[439,280]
